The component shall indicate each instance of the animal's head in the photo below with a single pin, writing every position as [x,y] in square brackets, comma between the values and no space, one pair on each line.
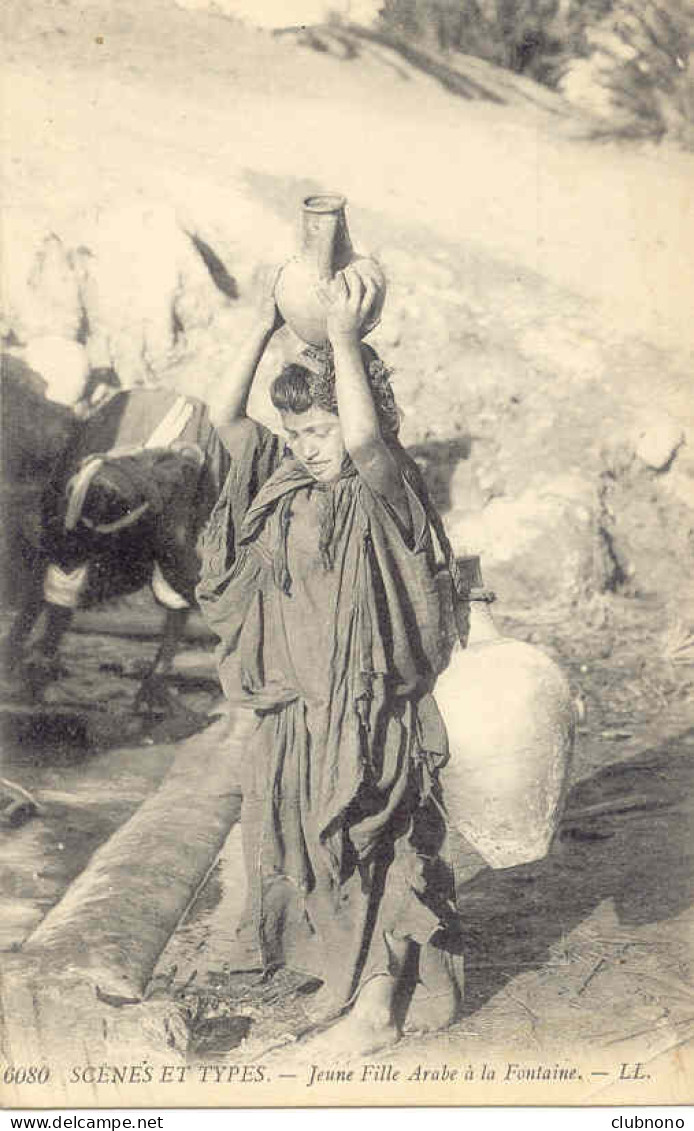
[109,494]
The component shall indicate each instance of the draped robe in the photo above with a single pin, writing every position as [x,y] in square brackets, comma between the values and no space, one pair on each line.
[332,631]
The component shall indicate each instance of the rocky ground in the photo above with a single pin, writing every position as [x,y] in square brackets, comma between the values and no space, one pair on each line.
[538,323]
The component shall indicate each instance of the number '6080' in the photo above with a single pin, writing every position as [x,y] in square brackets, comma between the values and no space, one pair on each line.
[31,1074]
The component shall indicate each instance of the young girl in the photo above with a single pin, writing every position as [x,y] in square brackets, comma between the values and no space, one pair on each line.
[319,579]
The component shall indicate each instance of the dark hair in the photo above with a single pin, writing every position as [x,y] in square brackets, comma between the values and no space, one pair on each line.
[299,387]
[291,391]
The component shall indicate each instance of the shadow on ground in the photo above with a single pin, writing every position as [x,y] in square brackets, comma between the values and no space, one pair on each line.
[351,43]
[67,737]
[626,836]
[438,460]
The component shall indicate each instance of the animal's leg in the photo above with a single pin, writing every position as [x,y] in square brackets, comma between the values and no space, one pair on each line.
[56,594]
[37,662]
[174,627]
[40,665]
[152,692]
[57,622]
[24,622]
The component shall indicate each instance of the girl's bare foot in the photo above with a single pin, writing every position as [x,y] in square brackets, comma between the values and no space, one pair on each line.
[369,1025]
[437,999]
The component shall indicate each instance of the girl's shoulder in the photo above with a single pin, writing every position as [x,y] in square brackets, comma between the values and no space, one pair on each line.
[416,533]
[243,436]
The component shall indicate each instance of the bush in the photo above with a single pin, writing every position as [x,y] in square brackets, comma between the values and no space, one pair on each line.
[626,62]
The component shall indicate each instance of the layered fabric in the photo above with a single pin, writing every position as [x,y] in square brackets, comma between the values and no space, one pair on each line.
[332,631]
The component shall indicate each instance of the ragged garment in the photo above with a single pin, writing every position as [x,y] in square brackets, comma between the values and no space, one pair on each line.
[332,631]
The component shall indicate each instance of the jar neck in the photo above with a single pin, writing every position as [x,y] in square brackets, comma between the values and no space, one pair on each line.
[481,623]
[325,241]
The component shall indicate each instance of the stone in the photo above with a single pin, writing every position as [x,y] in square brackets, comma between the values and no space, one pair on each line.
[41,294]
[63,364]
[540,546]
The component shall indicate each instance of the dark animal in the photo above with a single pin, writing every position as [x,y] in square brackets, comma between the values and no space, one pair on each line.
[124,505]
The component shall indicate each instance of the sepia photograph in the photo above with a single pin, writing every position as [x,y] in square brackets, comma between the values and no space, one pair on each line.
[347,554]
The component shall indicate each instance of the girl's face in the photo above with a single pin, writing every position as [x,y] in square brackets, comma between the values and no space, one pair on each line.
[315,437]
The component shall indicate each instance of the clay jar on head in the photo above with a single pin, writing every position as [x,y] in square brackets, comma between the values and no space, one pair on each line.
[325,249]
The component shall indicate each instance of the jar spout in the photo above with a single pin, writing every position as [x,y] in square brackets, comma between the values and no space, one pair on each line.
[475,618]
[325,238]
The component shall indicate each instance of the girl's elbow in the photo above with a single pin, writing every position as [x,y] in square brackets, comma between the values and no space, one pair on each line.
[364,451]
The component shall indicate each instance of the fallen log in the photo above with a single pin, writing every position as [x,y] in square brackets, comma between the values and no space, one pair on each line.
[117,916]
[55,1019]
[135,623]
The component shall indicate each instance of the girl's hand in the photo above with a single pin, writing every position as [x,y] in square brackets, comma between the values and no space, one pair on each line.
[347,298]
[267,316]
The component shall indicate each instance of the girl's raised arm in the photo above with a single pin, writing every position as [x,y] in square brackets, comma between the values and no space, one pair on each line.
[347,299]
[268,319]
